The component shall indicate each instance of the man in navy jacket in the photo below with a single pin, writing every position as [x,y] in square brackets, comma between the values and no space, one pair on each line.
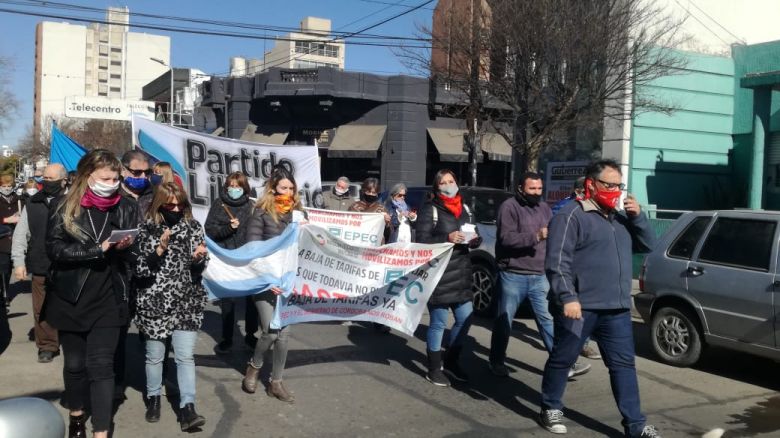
[588,264]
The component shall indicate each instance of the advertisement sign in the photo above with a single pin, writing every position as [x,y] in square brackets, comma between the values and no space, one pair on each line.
[560,177]
[104,108]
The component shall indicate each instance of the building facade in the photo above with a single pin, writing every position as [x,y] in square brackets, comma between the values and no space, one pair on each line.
[99,60]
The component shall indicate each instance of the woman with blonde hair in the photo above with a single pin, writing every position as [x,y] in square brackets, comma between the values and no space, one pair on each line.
[162,172]
[87,299]
[273,213]
[169,305]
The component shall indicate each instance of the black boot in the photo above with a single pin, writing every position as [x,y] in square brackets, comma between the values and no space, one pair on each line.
[153,409]
[451,366]
[435,375]
[76,428]
[189,418]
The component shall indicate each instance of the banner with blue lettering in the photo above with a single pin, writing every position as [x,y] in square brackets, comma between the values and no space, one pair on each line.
[204,161]
[361,229]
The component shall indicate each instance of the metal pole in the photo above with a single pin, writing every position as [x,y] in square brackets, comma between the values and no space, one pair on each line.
[171,108]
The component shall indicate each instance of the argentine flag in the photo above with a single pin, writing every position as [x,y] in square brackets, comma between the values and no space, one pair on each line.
[253,268]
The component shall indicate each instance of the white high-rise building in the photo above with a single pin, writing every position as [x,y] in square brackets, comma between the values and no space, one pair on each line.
[100,61]
[309,48]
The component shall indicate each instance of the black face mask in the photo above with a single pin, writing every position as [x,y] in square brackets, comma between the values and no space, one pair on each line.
[532,200]
[368,198]
[52,188]
[171,217]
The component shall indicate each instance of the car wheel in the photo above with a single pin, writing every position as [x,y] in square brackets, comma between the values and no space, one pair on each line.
[483,282]
[676,337]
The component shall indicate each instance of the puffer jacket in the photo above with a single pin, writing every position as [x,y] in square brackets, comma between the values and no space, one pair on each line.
[263,227]
[171,295]
[72,256]
[455,285]
[218,226]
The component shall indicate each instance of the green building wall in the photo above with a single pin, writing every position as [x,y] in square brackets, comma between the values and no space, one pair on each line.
[685,160]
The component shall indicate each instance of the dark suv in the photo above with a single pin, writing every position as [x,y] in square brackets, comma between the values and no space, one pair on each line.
[712,280]
[483,203]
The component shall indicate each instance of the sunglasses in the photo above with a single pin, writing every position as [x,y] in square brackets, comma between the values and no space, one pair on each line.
[171,206]
[400,195]
[137,172]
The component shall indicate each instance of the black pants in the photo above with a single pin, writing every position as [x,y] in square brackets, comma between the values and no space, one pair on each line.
[228,307]
[89,369]
[5,278]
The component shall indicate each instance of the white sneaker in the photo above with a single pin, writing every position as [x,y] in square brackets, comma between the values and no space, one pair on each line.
[552,420]
[578,369]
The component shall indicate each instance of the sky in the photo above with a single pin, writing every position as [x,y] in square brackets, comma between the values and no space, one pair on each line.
[211,54]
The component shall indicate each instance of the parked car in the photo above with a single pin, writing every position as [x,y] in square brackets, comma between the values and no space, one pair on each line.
[712,280]
[484,203]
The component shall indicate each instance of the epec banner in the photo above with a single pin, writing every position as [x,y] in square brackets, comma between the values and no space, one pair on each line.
[360,229]
[334,280]
[204,161]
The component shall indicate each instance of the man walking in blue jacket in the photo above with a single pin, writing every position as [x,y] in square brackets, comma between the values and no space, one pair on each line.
[588,264]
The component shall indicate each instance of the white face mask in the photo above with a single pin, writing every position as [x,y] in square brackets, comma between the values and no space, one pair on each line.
[449,190]
[5,191]
[103,190]
[339,191]
[31,191]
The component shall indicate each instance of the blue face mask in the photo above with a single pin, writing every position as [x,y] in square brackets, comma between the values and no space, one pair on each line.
[400,205]
[136,184]
[235,192]
[38,179]
[156,179]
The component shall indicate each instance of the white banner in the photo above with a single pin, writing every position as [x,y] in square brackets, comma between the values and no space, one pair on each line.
[360,229]
[203,161]
[560,179]
[389,285]
[104,108]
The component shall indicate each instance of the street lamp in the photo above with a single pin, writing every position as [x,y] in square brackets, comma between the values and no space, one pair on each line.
[170,108]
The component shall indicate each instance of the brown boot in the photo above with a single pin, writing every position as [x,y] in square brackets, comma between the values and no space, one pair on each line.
[276,389]
[249,384]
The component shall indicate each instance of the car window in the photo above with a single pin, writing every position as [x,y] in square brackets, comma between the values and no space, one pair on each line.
[740,242]
[686,242]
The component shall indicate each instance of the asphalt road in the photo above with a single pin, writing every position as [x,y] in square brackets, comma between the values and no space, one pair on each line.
[350,381]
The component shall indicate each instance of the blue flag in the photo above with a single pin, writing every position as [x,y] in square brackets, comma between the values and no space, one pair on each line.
[64,150]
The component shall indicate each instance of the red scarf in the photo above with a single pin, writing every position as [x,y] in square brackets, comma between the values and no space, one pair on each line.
[283,203]
[454,204]
[90,199]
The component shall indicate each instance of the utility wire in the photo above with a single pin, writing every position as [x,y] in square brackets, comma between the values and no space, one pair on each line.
[716,22]
[701,22]
[392,4]
[231,24]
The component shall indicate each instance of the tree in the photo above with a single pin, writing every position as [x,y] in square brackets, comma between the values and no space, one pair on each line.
[549,67]
[8,103]
[114,135]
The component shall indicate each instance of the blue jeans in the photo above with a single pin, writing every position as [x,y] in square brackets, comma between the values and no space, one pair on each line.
[515,288]
[183,347]
[615,336]
[459,330]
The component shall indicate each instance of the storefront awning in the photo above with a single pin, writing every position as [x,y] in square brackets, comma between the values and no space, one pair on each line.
[449,143]
[250,134]
[356,141]
[496,147]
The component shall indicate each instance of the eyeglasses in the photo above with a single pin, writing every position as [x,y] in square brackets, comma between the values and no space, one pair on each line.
[611,186]
[137,172]
[170,206]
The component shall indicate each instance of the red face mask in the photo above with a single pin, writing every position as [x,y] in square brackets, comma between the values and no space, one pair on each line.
[605,199]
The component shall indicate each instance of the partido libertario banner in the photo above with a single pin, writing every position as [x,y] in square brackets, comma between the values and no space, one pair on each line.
[203,161]
[335,280]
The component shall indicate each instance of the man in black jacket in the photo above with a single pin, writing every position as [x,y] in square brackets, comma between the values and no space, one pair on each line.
[29,254]
[589,264]
[135,181]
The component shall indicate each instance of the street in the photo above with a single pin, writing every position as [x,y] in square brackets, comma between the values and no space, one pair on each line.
[352,381]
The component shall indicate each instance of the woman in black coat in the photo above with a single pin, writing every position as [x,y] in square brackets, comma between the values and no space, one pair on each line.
[441,220]
[86,296]
[226,225]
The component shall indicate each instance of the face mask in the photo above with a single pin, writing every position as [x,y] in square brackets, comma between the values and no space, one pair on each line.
[607,200]
[156,179]
[38,179]
[136,184]
[449,191]
[51,188]
[31,192]
[171,218]
[283,203]
[369,198]
[6,191]
[531,199]
[103,190]
[340,192]
[235,192]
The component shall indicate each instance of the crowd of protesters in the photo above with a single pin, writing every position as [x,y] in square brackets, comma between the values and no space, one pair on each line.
[116,243]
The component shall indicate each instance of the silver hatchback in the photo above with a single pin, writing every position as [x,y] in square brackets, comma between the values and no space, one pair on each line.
[711,280]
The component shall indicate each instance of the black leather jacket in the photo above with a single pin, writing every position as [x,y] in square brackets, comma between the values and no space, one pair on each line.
[73,256]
